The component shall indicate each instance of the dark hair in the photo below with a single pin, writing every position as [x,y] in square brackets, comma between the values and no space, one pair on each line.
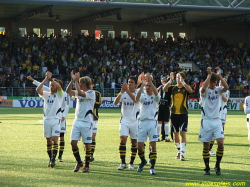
[133,78]
[214,77]
[59,81]
[182,75]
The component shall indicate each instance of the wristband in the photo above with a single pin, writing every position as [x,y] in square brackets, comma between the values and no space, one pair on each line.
[183,82]
[120,93]
[170,81]
[51,79]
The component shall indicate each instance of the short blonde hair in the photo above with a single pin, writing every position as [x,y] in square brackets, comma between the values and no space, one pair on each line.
[87,81]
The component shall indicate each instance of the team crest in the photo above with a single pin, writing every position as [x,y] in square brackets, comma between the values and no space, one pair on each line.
[151,97]
[199,136]
[54,96]
[216,92]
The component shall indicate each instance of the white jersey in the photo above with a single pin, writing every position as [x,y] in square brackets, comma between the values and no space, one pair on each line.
[223,103]
[149,106]
[52,105]
[211,103]
[66,99]
[85,106]
[65,104]
[246,106]
[129,109]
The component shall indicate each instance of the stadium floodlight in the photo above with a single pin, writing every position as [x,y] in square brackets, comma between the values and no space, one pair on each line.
[50,13]
[92,17]
[118,15]
[32,13]
[222,20]
[181,15]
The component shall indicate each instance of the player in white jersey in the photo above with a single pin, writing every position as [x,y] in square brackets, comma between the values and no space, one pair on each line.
[247,111]
[82,126]
[148,121]
[64,110]
[129,121]
[211,125]
[223,113]
[52,114]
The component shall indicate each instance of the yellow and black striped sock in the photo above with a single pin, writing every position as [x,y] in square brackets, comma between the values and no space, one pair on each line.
[122,151]
[206,157]
[211,144]
[142,156]
[133,154]
[93,144]
[87,157]
[54,150]
[153,156]
[61,148]
[219,155]
[49,150]
[77,155]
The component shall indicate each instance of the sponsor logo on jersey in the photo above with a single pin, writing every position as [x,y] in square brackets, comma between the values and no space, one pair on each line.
[155,136]
[57,131]
[89,138]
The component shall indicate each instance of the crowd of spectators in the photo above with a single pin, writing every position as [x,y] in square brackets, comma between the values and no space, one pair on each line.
[112,60]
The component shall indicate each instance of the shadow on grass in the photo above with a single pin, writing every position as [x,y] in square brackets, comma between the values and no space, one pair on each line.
[103,173]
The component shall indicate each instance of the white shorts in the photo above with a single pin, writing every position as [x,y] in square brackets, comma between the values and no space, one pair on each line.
[63,126]
[147,128]
[82,129]
[211,129]
[51,127]
[95,126]
[129,128]
[248,127]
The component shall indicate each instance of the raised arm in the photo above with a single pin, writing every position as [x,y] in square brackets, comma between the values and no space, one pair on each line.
[151,84]
[138,95]
[39,88]
[169,83]
[187,87]
[206,83]
[36,83]
[78,89]
[223,82]
[118,97]
[69,87]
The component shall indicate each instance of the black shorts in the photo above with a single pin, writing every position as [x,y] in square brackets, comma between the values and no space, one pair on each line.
[164,113]
[179,122]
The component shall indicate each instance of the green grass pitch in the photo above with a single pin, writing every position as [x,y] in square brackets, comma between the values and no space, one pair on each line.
[23,157]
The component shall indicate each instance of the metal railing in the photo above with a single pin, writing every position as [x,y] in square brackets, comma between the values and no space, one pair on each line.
[106,92]
[31,92]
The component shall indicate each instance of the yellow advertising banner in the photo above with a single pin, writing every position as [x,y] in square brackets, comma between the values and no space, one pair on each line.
[7,103]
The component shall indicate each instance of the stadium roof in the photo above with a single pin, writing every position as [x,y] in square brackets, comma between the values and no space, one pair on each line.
[130,12]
